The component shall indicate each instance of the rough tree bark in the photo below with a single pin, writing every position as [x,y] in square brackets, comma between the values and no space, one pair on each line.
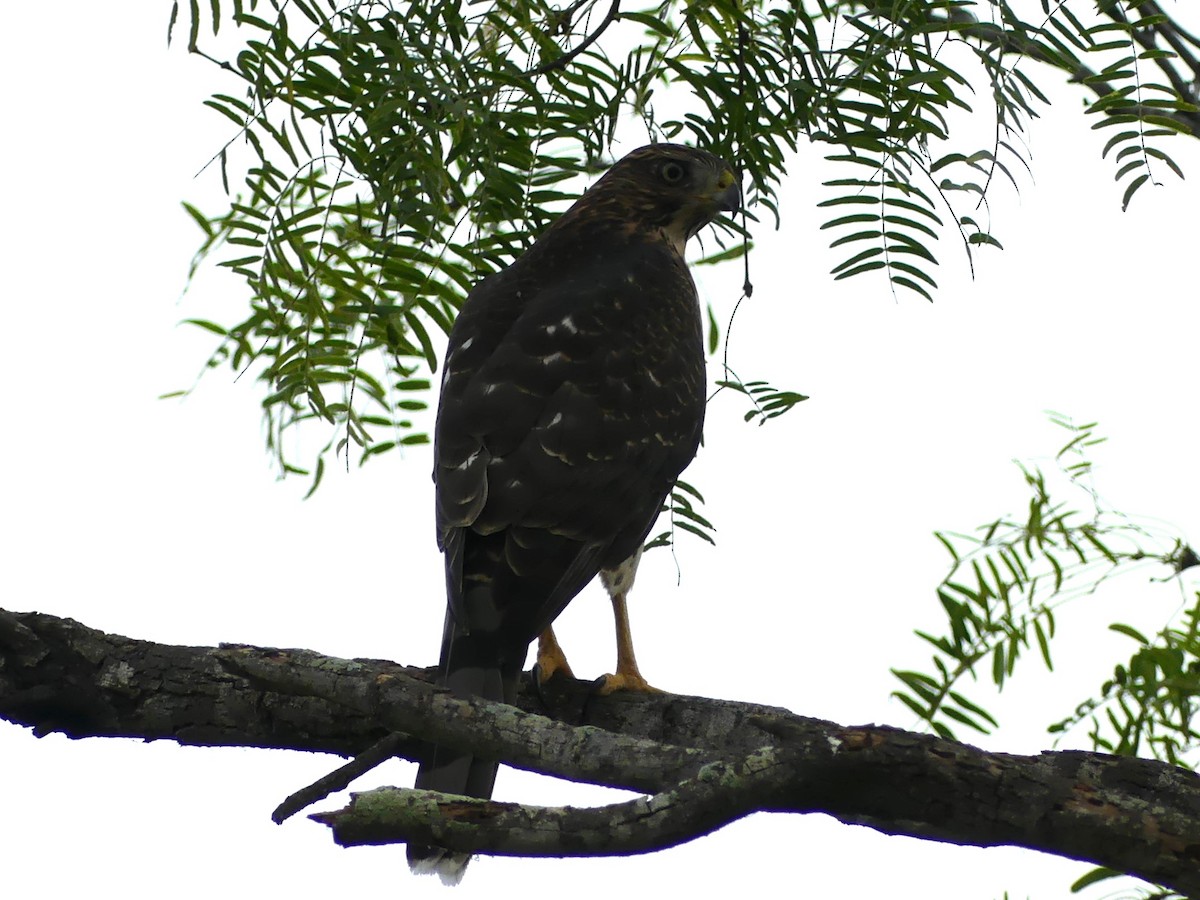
[700,763]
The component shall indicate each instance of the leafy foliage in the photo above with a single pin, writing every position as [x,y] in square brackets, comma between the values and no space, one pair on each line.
[1000,598]
[681,507]
[1139,110]
[1151,703]
[766,402]
[388,156]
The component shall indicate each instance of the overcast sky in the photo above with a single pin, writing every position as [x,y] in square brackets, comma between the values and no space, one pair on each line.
[163,520]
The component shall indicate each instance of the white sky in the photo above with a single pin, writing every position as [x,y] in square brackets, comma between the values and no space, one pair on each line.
[162,520]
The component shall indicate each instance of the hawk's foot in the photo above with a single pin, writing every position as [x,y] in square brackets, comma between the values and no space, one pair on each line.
[551,660]
[624,681]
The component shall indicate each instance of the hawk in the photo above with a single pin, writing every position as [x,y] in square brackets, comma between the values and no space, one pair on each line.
[572,397]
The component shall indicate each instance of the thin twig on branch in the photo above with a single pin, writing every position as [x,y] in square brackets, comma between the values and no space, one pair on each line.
[340,778]
[561,61]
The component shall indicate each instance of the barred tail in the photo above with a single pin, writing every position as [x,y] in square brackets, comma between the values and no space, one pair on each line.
[472,665]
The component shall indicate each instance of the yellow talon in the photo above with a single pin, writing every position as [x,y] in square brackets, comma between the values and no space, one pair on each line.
[551,660]
[625,681]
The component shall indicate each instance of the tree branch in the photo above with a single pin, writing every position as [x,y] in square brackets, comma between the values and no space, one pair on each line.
[340,778]
[719,794]
[561,61]
[702,762]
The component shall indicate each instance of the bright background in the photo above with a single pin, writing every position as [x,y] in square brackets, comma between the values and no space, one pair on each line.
[162,519]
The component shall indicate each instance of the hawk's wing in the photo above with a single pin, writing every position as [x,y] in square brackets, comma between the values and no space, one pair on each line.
[568,411]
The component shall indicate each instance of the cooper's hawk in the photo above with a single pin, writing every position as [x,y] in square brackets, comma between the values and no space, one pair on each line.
[572,398]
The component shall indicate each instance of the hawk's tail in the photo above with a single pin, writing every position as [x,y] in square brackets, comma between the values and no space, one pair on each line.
[471,665]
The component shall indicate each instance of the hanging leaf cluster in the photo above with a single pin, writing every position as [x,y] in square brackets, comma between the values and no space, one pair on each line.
[383,157]
[682,510]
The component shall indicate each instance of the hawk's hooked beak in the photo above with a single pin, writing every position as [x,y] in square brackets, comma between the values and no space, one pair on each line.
[724,195]
[728,196]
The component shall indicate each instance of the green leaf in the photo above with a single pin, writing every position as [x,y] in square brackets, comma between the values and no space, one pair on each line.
[1094,877]
[912,286]
[696,530]
[735,252]
[317,476]
[651,23]
[869,253]
[1043,644]
[963,719]
[921,712]
[207,326]
[194,24]
[1129,631]
[946,543]
[980,237]
[418,328]
[1131,190]
[973,709]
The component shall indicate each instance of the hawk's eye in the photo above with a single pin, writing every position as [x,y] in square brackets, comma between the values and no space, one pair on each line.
[672,172]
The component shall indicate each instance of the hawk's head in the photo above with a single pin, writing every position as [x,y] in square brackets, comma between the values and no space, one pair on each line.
[669,188]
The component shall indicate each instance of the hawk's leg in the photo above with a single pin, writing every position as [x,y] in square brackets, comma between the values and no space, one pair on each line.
[550,658]
[627,677]
[618,583]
